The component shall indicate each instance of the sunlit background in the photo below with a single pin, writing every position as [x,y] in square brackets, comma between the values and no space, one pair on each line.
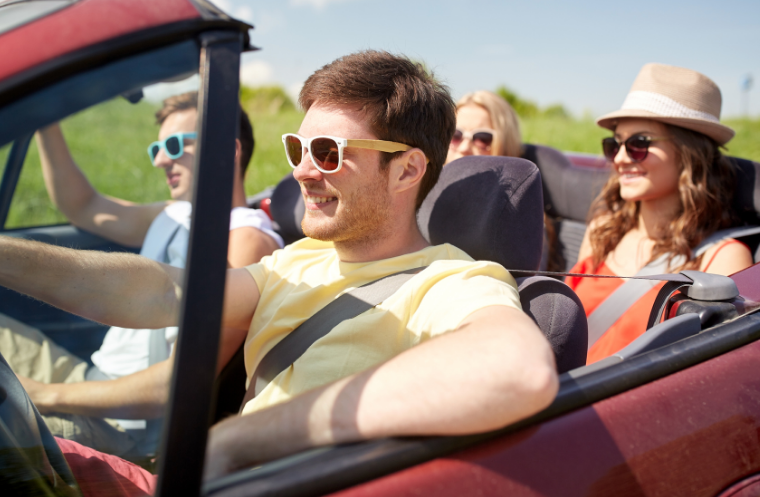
[583,54]
[560,64]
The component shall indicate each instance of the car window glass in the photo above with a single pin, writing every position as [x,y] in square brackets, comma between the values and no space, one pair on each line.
[107,116]
[109,144]
[4,151]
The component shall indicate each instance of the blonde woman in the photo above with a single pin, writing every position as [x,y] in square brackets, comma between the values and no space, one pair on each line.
[486,125]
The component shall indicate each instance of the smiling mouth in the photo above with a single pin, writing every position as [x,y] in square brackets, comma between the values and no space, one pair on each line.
[319,200]
[631,174]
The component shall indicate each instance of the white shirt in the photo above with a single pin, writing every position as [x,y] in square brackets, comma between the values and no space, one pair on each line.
[125,351]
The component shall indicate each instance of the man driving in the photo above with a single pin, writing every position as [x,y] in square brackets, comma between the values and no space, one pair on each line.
[450,352]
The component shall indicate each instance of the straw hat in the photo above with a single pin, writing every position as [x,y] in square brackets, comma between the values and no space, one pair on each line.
[674,95]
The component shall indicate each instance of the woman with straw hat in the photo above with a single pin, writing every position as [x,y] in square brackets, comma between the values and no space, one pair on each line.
[670,188]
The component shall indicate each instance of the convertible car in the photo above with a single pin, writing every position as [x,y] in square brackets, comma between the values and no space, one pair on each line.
[675,413]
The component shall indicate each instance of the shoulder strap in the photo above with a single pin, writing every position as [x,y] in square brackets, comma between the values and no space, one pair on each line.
[718,236]
[347,306]
[619,301]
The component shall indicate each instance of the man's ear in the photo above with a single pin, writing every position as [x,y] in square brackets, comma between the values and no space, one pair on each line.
[238,154]
[407,170]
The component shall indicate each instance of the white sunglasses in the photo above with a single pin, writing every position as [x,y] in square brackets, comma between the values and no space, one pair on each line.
[481,138]
[326,152]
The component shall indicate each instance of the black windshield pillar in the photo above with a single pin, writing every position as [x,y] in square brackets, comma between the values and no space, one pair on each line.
[191,400]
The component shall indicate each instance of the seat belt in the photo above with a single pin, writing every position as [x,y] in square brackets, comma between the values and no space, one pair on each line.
[157,352]
[618,302]
[347,306]
[627,294]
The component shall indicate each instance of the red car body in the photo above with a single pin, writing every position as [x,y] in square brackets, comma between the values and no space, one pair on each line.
[692,433]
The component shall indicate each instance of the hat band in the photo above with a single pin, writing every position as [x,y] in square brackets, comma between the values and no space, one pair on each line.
[663,106]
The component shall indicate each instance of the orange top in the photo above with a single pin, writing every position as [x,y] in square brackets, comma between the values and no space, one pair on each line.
[593,291]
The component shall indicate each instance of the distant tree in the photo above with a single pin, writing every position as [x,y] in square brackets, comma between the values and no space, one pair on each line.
[528,108]
[524,108]
[556,110]
[265,99]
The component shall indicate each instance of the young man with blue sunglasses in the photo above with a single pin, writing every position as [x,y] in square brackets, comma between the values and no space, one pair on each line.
[61,383]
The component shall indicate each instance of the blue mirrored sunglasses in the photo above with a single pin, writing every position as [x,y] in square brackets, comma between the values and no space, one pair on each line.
[173,145]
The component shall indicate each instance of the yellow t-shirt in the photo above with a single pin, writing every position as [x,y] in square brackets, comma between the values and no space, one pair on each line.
[299,280]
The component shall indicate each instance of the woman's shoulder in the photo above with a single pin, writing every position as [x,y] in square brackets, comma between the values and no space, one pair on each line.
[726,257]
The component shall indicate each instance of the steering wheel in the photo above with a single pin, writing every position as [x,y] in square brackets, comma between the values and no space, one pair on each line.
[31,463]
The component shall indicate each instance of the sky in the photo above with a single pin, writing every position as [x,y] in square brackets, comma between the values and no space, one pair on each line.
[581,54]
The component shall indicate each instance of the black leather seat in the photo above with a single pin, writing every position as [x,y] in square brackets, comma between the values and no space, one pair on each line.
[568,193]
[492,208]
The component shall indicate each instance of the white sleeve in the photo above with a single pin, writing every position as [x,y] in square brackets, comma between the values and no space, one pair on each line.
[241,217]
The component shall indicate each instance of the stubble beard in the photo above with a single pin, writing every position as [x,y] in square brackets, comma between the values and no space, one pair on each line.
[362,219]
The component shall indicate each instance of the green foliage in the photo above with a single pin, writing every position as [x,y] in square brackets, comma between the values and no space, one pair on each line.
[524,108]
[746,143]
[563,133]
[269,164]
[556,110]
[109,141]
[528,109]
[266,100]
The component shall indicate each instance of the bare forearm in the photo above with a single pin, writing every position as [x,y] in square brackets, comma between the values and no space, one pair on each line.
[67,186]
[138,396]
[116,289]
[476,379]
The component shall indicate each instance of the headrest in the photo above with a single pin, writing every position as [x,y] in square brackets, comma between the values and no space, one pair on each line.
[568,190]
[747,195]
[287,209]
[490,207]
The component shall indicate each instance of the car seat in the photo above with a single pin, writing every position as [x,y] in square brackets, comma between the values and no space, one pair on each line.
[568,191]
[288,209]
[492,208]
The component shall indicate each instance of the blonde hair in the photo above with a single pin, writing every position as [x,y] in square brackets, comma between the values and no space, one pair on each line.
[507,139]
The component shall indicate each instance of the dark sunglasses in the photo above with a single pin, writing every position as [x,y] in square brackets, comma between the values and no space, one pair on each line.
[481,138]
[327,151]
[637,147]
[173,145]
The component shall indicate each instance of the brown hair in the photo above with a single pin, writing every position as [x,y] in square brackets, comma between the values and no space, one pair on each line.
[706,185]
[402,101]
[504,119]
[189,100]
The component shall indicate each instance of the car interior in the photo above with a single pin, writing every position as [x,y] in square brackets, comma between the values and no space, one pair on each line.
[478,205]
[510,195]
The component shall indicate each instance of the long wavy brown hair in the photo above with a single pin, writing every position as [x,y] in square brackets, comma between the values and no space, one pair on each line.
[706,185]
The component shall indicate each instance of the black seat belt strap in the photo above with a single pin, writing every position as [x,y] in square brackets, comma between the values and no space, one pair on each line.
[347,306]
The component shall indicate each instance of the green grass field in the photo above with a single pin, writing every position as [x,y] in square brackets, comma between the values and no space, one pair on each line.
[109,143]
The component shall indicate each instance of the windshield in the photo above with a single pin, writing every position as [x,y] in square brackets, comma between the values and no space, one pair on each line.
[86,164]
